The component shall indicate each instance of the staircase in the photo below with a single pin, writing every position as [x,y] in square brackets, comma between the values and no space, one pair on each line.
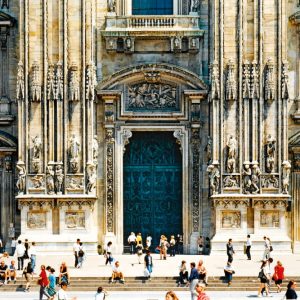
[88,284]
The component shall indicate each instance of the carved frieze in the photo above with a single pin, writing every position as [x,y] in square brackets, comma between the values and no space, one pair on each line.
[231,203]
[20,82]
[36,220]
[270,181]
[246,80]
[269,219]
[73,90]
[286,170]
[35,84]
[36,182]
[270,153]
[80,203]
[231,181]
[214,177]
[231,81]
[152,96]
[74,183]
[254,94]
[21,182]
[75,220]
[215,80]
[195,144]
[40,204]
[90,81]
[230,219]
[270,203]
[269,81]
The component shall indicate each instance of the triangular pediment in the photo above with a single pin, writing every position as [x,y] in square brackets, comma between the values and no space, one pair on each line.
[6,19]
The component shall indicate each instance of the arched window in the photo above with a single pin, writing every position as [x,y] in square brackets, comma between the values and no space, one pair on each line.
[152,7]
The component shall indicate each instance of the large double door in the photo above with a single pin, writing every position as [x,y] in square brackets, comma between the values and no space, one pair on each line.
[152,185]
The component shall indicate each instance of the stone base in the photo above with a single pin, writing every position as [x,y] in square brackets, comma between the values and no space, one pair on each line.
[281,244]
[296,247]
[61,244]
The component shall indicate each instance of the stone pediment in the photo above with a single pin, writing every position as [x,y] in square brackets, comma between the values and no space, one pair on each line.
[6,20]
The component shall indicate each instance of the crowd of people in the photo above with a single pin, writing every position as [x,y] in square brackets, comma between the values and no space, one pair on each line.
[195,276]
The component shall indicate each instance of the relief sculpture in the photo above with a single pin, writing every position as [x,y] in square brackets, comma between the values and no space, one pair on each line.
[231,219]
[36,220]
[152,96]
[269,219]
[75,219]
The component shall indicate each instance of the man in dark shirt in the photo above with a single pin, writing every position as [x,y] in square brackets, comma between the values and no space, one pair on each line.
[179,244]
[148,263]
[193,280]
[3,272]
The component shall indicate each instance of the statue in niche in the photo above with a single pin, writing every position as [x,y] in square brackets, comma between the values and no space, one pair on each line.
[286,170]
[59,178]
[209,148]
[128,43]
[247,177]
[255,177]
[194,6]
[74,93]
[176,43]
[231,154]
[95,149]
[111,5]
[21,184]
[37,147]
[20,81]
[270,151]
[91,177]
[50,179]
[214,178]
[74,153]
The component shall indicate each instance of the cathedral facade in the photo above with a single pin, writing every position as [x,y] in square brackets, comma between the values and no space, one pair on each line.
[160,117]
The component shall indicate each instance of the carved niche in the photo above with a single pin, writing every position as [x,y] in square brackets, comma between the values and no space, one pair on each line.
[156,96]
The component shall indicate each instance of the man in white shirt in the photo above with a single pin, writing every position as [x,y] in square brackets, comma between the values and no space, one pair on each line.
[148,241]
[117,273]
[62,293]
[248,247]
[101,294]
[132,242]
[267,245]
[13,246]
[20,251]
[1,246]
[32,255]
[76,247]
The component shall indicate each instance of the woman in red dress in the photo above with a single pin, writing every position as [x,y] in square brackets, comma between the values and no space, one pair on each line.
[43,283]
[278,275]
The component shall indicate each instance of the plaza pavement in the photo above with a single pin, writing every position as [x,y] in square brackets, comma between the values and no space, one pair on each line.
[142,295]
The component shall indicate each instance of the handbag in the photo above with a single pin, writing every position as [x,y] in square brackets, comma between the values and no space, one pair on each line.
[275,277]
[261,274]
[51,291]
[146,272]
[271,248]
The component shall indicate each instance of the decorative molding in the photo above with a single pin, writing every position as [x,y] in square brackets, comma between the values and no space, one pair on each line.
[246,80]
[231,84]
[273,203]
[35,83]
[229,203]
[41,203]
[76,202]
[270,83]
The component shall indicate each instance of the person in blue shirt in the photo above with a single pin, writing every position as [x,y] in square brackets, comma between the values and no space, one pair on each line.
[193,280]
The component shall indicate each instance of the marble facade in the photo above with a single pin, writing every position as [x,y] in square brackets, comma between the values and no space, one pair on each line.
[79,78]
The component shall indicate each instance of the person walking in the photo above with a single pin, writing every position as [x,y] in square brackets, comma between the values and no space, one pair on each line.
[248,247]
[267,246]
[75,252]
[13,246]
[62,293]
[148,241]
[193,280]
[200,287]
[230,251]
[81,254]
[170,295]
[148,263]
[101,293]
[132,242]
[52,282]
[263,276]
[172,246]
[291,292]
[179,244]
[108,253]
[229,271]
[278,275]
[183,274]
[28,273]
[20,251]
[43,283]
[32,255]
[139,252]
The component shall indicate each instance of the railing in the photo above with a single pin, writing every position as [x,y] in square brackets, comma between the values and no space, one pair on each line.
[152,22]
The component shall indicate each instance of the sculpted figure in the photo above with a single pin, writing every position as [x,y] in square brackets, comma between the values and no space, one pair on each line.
[286,170]
[231,155]
[247,177]
[111,5]
[21,177]
[91,177]
[255,177]
[59,178]
[214,178]
[95,148]
[74,147]
[209,148]
[37,147]
[50,179]
[194,5]
[270,150]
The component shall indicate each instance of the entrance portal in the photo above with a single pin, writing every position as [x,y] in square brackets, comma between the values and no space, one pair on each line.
[152,186]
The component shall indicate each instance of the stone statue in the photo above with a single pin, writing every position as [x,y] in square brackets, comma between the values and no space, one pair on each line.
[21,184]
[247,177]
[231,82]
[214,178]
[74,147]
[20,82]
[231,154]
[35,84]
[91,81]
[95,149]
[37,147]
[59,82]
[37,181]
[286,170]
[111,5]
[50,179]
[74,91]
[91,177]
[270,151]
[255,177]
[59,178]
[270,81]
[230,181]
[209,148]
[194,6]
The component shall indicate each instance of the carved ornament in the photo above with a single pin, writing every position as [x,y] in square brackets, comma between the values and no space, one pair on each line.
[80,203]
[214,177]
[270,153]
[231,203]
[91,81]
[231,153]
[231,81]
[20,82]
[215,80]
[231,181]
[127,134]
[285,81]
[35,84]
[91,177]
[269,203]
[269,81]
[286,170]
[270,181]
[21,182]
[246,80]
[254,94]
[74,91]
[41,204]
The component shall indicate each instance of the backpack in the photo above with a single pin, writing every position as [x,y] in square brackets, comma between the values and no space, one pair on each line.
[80,253]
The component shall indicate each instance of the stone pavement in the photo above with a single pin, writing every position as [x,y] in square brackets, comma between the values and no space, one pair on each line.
[94,265]
[141,295]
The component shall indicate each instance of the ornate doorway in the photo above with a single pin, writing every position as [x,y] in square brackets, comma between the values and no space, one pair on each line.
[152,185]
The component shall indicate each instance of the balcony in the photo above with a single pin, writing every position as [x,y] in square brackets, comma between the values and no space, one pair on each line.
[182,33]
